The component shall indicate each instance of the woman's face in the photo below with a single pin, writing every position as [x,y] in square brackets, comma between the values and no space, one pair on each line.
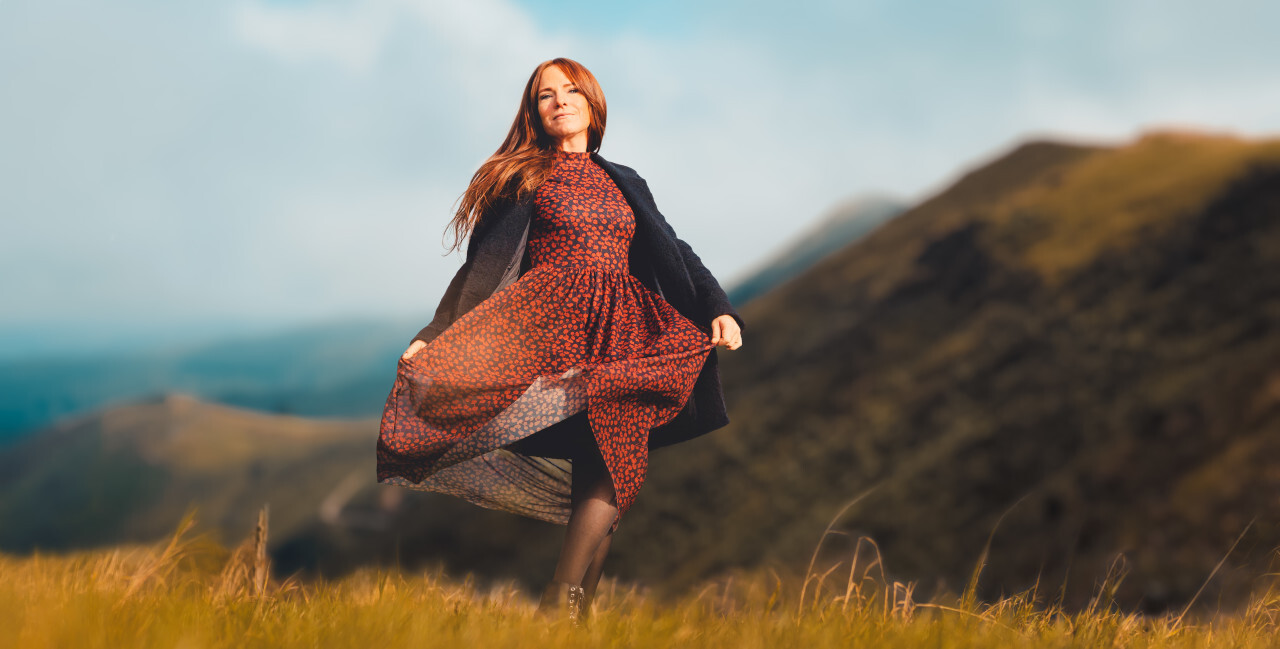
[564,110]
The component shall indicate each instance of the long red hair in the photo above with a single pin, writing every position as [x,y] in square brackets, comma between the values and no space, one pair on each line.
[523,161]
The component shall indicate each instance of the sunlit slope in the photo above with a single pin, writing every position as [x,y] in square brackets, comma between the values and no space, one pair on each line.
[1089,332]
[128,473]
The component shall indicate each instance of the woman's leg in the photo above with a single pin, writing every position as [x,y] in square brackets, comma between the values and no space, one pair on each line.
[594,506]
[592,578]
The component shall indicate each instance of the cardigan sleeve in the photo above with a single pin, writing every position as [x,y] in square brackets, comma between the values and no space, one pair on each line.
[444,311]
[481,235]
[708,289]
[449,303]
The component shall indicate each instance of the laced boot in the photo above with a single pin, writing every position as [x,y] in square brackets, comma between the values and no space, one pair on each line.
[563,600]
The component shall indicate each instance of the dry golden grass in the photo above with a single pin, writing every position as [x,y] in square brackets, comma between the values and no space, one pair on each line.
[192,593]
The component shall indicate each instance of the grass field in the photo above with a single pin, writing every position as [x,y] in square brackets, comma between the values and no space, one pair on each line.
[192,593]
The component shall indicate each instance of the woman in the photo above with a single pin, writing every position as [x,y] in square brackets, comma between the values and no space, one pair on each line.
[579,334]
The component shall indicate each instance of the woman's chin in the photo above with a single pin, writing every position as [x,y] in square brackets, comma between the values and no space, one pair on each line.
[563,133]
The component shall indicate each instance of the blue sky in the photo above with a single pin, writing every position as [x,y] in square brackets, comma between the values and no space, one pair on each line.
[176,170]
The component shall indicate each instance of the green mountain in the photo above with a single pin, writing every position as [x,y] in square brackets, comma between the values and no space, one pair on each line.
[1084,340]
[128,473]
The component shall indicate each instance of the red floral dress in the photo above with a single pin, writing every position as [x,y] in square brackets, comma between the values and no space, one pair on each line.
[575,333]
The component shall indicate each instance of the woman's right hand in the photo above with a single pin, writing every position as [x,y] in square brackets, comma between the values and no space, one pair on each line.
[413,349]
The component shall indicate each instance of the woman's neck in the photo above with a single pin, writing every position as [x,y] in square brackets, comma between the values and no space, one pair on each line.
[574,143]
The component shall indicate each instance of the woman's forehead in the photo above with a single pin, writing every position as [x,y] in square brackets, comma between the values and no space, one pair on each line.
[549,76]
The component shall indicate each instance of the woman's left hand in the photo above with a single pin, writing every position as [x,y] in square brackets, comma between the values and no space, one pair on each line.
[725,332]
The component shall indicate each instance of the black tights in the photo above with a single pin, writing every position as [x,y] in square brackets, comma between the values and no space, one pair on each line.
[592,499]
[587,538]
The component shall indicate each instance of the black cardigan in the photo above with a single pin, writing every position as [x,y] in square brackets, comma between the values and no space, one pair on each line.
[497,256]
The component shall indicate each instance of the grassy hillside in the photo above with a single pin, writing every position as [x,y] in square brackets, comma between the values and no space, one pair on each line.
[129,473]
[1083,340]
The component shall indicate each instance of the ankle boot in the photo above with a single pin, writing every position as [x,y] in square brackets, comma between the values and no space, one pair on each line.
[564,600]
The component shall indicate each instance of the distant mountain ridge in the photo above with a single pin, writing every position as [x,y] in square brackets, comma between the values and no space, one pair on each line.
[839,227]
[340,369]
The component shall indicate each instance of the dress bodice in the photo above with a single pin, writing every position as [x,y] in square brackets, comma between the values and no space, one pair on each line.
[582,217]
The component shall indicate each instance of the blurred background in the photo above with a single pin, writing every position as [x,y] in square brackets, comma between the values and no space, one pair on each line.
[996,259]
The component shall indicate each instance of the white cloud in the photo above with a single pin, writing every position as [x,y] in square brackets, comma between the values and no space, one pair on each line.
[479,35]
[350,35]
